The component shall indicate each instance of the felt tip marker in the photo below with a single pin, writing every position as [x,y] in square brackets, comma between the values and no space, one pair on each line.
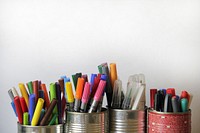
[85,98]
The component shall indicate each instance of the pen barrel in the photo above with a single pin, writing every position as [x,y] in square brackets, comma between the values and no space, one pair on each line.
[93,106]
[100,105]
[77,105]
[83,107]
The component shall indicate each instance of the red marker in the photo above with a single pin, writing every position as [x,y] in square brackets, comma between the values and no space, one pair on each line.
[185,94]
[152,97]
[18,109]
[23,105]
[171,91]
[35,90]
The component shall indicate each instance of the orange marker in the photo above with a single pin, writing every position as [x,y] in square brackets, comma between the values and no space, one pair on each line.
[113,73]
[79,92]
[46,97]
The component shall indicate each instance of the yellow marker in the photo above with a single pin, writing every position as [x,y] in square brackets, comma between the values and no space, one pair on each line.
[113,73]
[69,92]
[24,93]
[37,112]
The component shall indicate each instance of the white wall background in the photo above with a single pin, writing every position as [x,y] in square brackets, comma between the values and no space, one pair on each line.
[47,39]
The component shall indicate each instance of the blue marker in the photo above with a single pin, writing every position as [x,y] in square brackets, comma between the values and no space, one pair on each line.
[31,106]
[92,81]
[13,106]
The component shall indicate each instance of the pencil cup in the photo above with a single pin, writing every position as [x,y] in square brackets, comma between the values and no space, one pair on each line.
[127,121]
[40,129]
[77,122]
[167,122]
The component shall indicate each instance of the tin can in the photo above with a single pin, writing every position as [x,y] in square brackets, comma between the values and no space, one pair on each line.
[127,121]
[169,122]
[40,129]
[77,122]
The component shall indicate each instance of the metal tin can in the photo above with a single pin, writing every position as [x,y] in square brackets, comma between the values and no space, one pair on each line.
[77,122]
[169,122]
[127,121]
[40,129]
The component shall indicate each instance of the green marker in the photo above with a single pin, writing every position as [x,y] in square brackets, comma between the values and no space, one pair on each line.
[53,119]
[25,118]
[74,80]
[52,96]
[100,69]
[30,87]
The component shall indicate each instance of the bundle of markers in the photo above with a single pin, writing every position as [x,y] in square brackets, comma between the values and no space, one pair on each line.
[166,100]
[134,99]
[89,95]
[34,107]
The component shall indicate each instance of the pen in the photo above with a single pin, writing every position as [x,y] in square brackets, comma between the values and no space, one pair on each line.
[152,97]
[52,96]
[116,98]
[139,102]
[70,96]
[113,73]
[11,94]
[31,106]
[97,96]
[61,82]
[168,103]
[48,113]
[46,97]
[23,105]
[14,108]
[14,92]
[30,87]
[24,92]
[58,96]
[85,97]
[18,109]
[37,112]
[108,89]
[175,104]
[63,102]
[53,119]
[35,89]
[25,118]
[184,104]
[78,96]
[41,94]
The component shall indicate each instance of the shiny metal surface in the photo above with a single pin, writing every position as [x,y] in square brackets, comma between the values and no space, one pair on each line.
[77,122]
[40,129]
[127,121]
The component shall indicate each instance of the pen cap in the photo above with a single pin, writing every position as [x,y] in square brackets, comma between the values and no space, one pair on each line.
[184,104]
[18,109]
[142,78]
[14,91]
[185,94]
[70,95]
[11,94]
[61,82]
[171,91]
[46,96]
[52,91]
[79,88]
[86,93]
[100,90]
[24,92]
[133,78]
[116,98]
[113,73]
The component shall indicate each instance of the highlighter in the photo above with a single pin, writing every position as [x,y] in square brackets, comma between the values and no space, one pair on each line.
[70,96]
[78,96]
[24,92]
[18,109]
[97,96]
[85,98]
[37,112]
[113,73]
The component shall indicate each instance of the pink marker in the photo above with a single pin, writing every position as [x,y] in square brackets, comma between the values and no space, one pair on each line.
[85,97]
[97,96]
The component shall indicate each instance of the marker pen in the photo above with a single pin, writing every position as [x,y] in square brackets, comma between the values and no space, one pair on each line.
[85,98]
[97,96]
[78,96]
[70,96]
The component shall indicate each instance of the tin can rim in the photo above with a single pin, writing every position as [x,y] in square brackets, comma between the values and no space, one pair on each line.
[82,113]
[150,110]
[39,126]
